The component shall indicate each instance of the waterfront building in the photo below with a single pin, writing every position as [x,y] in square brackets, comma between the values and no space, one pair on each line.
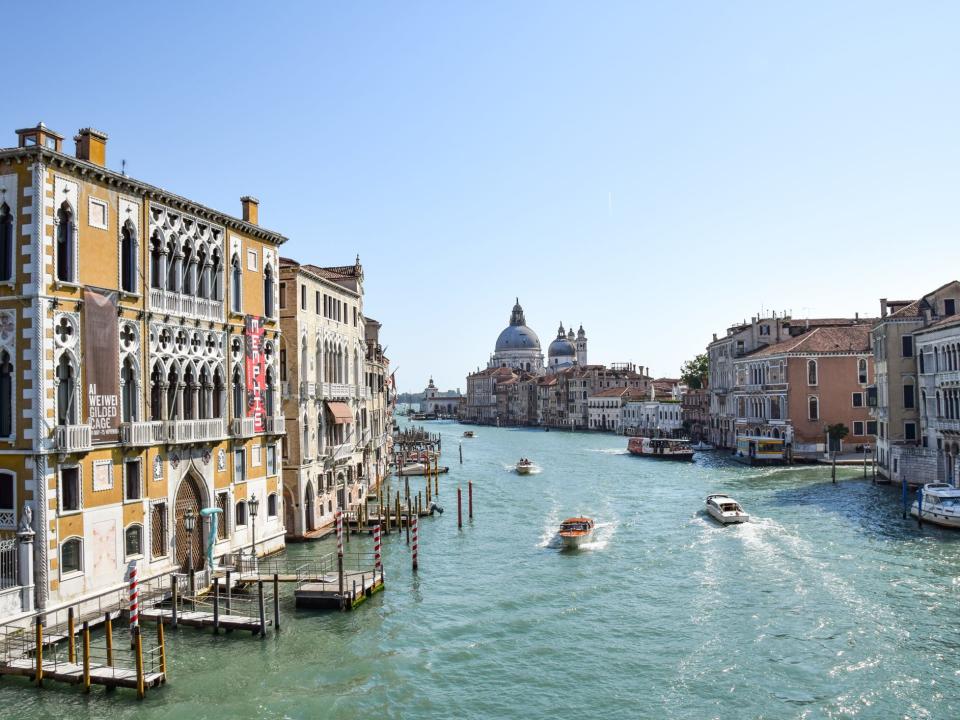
[325,467]
[437,402]
[607,408]
[481,404]
[894,400]
[797,387]
[139,345]
[695,407]
[377,448]
[653,418]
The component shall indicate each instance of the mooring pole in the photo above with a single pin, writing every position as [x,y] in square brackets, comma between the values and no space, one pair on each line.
[833,470]
[71,631]
[461,452]
[340,554]
[141,688]
[39,652]
[416,544]
[263,614]
[163,650]
[86,657]
[459,510]
[174,593]
[409,514]
[920,507]
[470,499]
[905,493]
[864,462]
[276,602]
[108,625]
[216,606]
[228,593]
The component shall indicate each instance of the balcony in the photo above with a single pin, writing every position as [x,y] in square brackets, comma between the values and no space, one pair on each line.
[242,427]
[142,433]
[164,301]
[338,390]
[73,438]
[945,425]
[186,431]
[948,377]
[339,452]
[276,425]
[308,391]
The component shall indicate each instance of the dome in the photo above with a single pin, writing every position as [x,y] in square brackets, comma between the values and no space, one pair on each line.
[517,337]
[561,347]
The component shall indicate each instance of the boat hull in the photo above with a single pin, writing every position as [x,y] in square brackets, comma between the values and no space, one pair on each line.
[524,470]
[725,519]
[937,518]
[572,542]
[682,457]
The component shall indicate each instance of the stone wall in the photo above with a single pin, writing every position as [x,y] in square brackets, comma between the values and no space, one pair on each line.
[919,465]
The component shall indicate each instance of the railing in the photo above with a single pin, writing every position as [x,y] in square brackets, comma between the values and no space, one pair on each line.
[177,304]
[8,564]
[182,431]
[947,376]
[342,451]
[308,390]
[242,427]
[338,390]
[74,438]
[945,424]
[142,433]
[276,425]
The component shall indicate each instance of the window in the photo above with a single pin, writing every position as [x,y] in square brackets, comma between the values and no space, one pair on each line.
[128,259]
[252,260]
[256,459]
[950,307]
[283,298]
[241,514]
[216,292]
[764,329]
[906,346]
[908,396]
[239,410]
[272,505]
[271,459]
[862,371]
[69,489]
[858,399]
[66,392]
[158,530]
[236,285]
[131,480]
[223,500]
[910,431]
[240,465]
[6,243]
[858,428]
[920,357]
[66,244]
[283,364]
[813,405]
[133,540]
[268,291]
[8,500]
[71,556]
[871,427]
[6,395]
[316,302]
[303,297]
[128,379]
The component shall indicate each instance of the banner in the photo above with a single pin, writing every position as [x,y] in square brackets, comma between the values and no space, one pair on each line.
[101,346]
[256,372]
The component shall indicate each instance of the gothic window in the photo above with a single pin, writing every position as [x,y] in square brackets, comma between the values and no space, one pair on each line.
[303,358]
[157,261]
[6,243]
[8,500]
[66,391]
[238,393]
[268,291]
[216,274]
[203,284]
[236,285]
[66,244]
[305,450]
[811,372]
[189,390]
[203,407]
[188,269]
[173,267]
[128,377]
[269,399]
[128,258]
[813,404]
[218,394]
[862,371]
[173,393]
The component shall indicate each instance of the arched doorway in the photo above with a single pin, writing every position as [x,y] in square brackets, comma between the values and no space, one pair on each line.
[189,497]
[309,508]
[289,516]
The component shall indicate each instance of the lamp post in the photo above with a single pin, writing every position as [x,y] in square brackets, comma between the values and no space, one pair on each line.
[253,504]
[190,522]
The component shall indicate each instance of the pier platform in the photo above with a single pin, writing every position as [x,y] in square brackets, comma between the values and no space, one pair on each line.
[108,676]
[324,593]
[204,619]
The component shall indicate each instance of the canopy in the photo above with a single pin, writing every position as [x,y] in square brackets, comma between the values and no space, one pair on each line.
[340,413]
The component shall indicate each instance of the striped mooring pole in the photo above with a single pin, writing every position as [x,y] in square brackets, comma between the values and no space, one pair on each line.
[377,565]
[416,543]
[134,601]
[339,518]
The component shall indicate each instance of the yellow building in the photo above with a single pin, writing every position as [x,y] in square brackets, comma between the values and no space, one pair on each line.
[139,372]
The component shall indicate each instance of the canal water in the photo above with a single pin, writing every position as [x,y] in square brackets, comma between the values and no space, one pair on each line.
[827,605]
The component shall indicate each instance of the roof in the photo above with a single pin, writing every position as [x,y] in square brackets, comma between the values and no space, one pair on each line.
[844,339]
[610,392]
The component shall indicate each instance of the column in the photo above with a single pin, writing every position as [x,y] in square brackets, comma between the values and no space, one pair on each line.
[25,536]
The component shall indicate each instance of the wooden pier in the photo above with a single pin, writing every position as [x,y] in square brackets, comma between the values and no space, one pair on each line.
[324,594]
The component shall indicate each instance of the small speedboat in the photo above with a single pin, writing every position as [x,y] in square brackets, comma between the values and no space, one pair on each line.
[575,530]
[725,509]
[525,467]
[468,433]
[938,503]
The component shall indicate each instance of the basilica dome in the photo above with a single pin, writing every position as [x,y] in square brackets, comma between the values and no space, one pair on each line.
[561,347]
[517,336]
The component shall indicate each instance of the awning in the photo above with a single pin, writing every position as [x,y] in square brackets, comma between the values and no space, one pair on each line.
[340,413]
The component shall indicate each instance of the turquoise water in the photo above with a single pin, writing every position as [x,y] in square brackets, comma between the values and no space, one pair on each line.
[827,605]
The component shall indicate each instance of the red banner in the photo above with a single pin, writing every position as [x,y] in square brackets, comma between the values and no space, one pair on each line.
[256,372]
[101,370]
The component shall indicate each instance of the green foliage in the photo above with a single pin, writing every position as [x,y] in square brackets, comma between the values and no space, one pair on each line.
[694,372]
[838,431]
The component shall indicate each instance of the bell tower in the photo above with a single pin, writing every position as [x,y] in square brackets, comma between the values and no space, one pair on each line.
[581,346]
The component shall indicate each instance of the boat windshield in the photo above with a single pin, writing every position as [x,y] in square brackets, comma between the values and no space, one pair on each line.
[951,502]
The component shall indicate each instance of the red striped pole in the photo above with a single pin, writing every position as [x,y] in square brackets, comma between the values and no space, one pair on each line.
[134,598]
[377,565]
[416,543]
[339,517]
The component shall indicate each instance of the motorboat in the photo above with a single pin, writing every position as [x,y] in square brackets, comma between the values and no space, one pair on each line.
[938,503]
[469,434]
[525,467]
[660,448]
[421,469]
[575,531]
[701,446]
[725,509]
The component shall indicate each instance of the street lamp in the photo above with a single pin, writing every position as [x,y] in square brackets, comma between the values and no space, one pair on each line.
[253,504]
[189,522]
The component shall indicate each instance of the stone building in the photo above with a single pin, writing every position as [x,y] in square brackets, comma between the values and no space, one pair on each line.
[695,406]
[439,402]
[139,345]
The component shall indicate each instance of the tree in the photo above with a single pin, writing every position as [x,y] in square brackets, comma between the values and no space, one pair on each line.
[838,431]
[694,372]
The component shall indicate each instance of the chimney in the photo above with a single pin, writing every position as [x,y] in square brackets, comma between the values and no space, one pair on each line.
[856,317]
[92,146]
[40,135]
[883,307]
[251,209]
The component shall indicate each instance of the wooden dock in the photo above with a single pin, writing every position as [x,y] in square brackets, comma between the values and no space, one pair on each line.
[202,619]
[67,672]
[324,593]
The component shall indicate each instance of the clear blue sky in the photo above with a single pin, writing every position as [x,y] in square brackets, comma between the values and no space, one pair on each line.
[654,171]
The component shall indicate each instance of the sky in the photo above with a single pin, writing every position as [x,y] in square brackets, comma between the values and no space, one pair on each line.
[653,170]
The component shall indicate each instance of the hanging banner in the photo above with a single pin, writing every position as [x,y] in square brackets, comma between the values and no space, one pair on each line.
[101,369]
[256,372]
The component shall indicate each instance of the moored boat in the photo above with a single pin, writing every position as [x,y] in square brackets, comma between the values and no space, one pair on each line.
[420,469]
[725,509]
[938,503]
[575,531]
[660,448]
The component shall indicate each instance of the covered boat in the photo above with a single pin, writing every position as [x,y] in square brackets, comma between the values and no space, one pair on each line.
[575,531]
[660,448]
[725,509]
[939,504]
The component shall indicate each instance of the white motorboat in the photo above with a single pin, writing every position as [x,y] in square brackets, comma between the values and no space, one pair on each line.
[939,504]
[725,509]
[525,467]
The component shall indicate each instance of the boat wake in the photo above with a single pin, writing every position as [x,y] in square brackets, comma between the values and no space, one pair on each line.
[534,470]
[609,451]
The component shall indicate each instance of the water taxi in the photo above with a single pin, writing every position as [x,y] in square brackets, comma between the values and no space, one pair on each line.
[468,433]
[758,450]
[525,467]
[725,509]
[939,504]
[660,448]
[575,530]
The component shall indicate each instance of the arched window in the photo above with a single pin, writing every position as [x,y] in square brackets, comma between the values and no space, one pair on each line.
[173,267]
[268,291]
[188,270]
[189,398]
[205,387]
[241,513]
[811,372]
[269,393]
[8,500]
[203,263]
[173,393]
[128,258]
[133,541]
[128,377]
[66,392]
[303,358]
[66,235]
[6,395]
[71,556]
[216,276]
[6,243]
[862,371]
[939,413]
[813,408]
[305,450]
[158,258]
[218,394]
[272,505]
[239,410]
[236,285]
[156,392]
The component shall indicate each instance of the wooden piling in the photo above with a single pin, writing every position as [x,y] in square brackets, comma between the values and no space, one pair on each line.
[263,616]
[174,591]
[470,499]
[71,640]
[397,506]
[108,626]
[39,654]
[141,687]
[408,520]
[216,606]
[86,657]
[459,510]
[163,649]
[461,452]
[353,596]
[276,602]
[229,585]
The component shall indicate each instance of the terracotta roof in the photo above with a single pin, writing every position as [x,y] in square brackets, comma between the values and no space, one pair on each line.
[943,322]
[849,338]
[610,392]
